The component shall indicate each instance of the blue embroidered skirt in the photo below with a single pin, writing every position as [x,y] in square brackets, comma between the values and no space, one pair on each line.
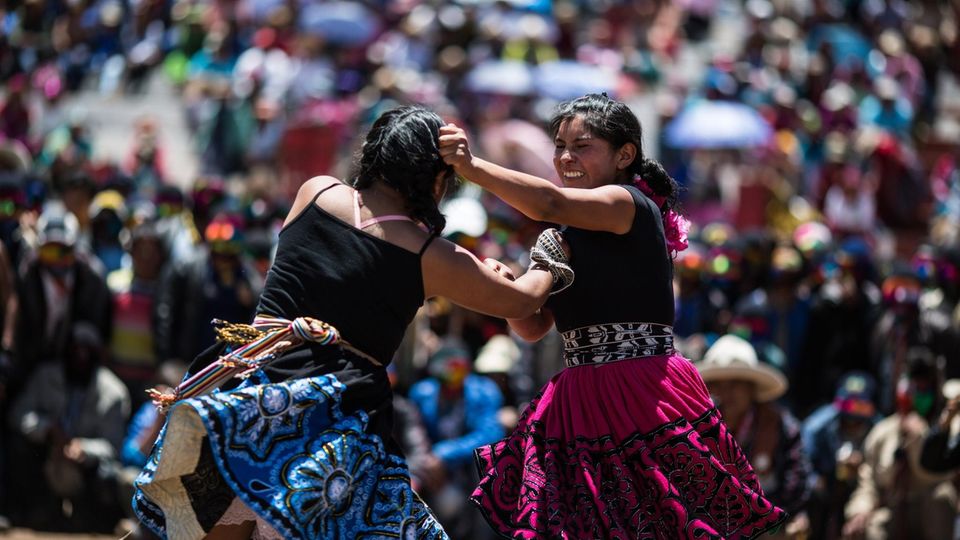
[308,455]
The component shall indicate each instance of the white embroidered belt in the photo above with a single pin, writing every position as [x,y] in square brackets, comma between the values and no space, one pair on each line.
[599,343]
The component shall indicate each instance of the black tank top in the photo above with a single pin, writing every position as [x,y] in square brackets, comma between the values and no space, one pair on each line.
[619,277]
[366,287]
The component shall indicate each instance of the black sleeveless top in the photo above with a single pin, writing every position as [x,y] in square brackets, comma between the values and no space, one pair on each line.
[619,277]
[366,287]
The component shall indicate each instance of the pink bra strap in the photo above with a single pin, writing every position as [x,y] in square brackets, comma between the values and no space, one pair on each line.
[381,219]
[372,221]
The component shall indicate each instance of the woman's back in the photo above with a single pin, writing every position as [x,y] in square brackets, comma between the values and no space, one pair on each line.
[365,286]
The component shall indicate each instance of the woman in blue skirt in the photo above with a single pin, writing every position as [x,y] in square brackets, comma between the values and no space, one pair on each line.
[299,447]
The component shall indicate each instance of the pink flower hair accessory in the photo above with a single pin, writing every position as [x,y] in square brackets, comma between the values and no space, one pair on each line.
[675,226]
[648,191]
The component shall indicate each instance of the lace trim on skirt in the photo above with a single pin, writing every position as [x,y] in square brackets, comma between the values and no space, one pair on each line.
[238,513]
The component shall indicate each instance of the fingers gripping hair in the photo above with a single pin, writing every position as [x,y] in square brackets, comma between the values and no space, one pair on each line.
[401,149]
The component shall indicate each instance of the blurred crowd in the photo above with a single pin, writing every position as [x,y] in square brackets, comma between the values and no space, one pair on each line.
[817,143]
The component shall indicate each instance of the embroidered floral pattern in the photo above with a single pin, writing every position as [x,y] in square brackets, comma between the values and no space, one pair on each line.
[266,414]
[684,480]
[321,483]
[290,454]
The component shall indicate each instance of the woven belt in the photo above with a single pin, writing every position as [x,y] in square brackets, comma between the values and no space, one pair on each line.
[256,345]
[601,343]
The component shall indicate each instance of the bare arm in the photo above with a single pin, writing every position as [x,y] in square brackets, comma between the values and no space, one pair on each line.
[453,272]
[534,327]
[531,328]
[605,208]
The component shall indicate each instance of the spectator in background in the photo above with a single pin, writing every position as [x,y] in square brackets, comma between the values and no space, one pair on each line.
[427,472]
[842,315]
[57,289]
[208,197]
[497,360]
[69,423]
[219,283]
[14,113]
[941,451]
[146,162]
[133,351]
[141,433]
[77,191]
[850,205]
[108,219]
[460,411]
[789,303]
[175,223]
[887,108]
[13,204]
[744,390]
[894,494]
[897,334]
[833,437]
[67,149]
[694,311]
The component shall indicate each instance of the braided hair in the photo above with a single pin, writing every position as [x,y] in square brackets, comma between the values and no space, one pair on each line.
[402,151]
[615,123]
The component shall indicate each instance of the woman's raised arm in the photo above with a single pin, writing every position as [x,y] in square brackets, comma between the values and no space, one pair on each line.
[606,208]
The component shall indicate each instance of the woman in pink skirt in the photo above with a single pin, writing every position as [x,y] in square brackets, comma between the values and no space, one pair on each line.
[625,442]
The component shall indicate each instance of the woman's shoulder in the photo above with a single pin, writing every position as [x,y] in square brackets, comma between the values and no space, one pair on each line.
[308,193]
[640,199]
[646,209]
[315,185]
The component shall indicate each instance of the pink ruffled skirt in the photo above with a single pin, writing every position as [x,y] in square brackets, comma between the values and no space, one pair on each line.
[626,449]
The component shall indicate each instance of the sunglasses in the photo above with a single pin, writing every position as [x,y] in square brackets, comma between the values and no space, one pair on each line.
[54,253]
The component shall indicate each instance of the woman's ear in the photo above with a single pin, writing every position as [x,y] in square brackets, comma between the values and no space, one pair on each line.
[625,156]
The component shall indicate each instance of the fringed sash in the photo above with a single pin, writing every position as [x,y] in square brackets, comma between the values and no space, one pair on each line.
[266,339]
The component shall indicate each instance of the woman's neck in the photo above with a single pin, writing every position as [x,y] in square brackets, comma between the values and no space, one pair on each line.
[383,198]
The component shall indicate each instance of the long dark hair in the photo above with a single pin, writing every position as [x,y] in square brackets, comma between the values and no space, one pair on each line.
[402,151]
[615,123]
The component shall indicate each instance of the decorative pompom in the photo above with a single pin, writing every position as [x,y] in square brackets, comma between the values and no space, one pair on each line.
[675,228]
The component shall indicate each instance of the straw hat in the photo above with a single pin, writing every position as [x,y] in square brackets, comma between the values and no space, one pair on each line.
[498,355]
[734,358]
[951,389]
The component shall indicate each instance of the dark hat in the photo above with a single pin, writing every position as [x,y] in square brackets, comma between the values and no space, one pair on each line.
[854,395]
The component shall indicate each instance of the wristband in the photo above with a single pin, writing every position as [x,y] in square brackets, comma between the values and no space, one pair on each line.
[561,272]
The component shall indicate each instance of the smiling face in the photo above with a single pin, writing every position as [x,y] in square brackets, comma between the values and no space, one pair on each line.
[584,160]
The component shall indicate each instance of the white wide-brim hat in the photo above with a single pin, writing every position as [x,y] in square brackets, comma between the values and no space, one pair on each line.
[951,388]
[734,358]
[498,355]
